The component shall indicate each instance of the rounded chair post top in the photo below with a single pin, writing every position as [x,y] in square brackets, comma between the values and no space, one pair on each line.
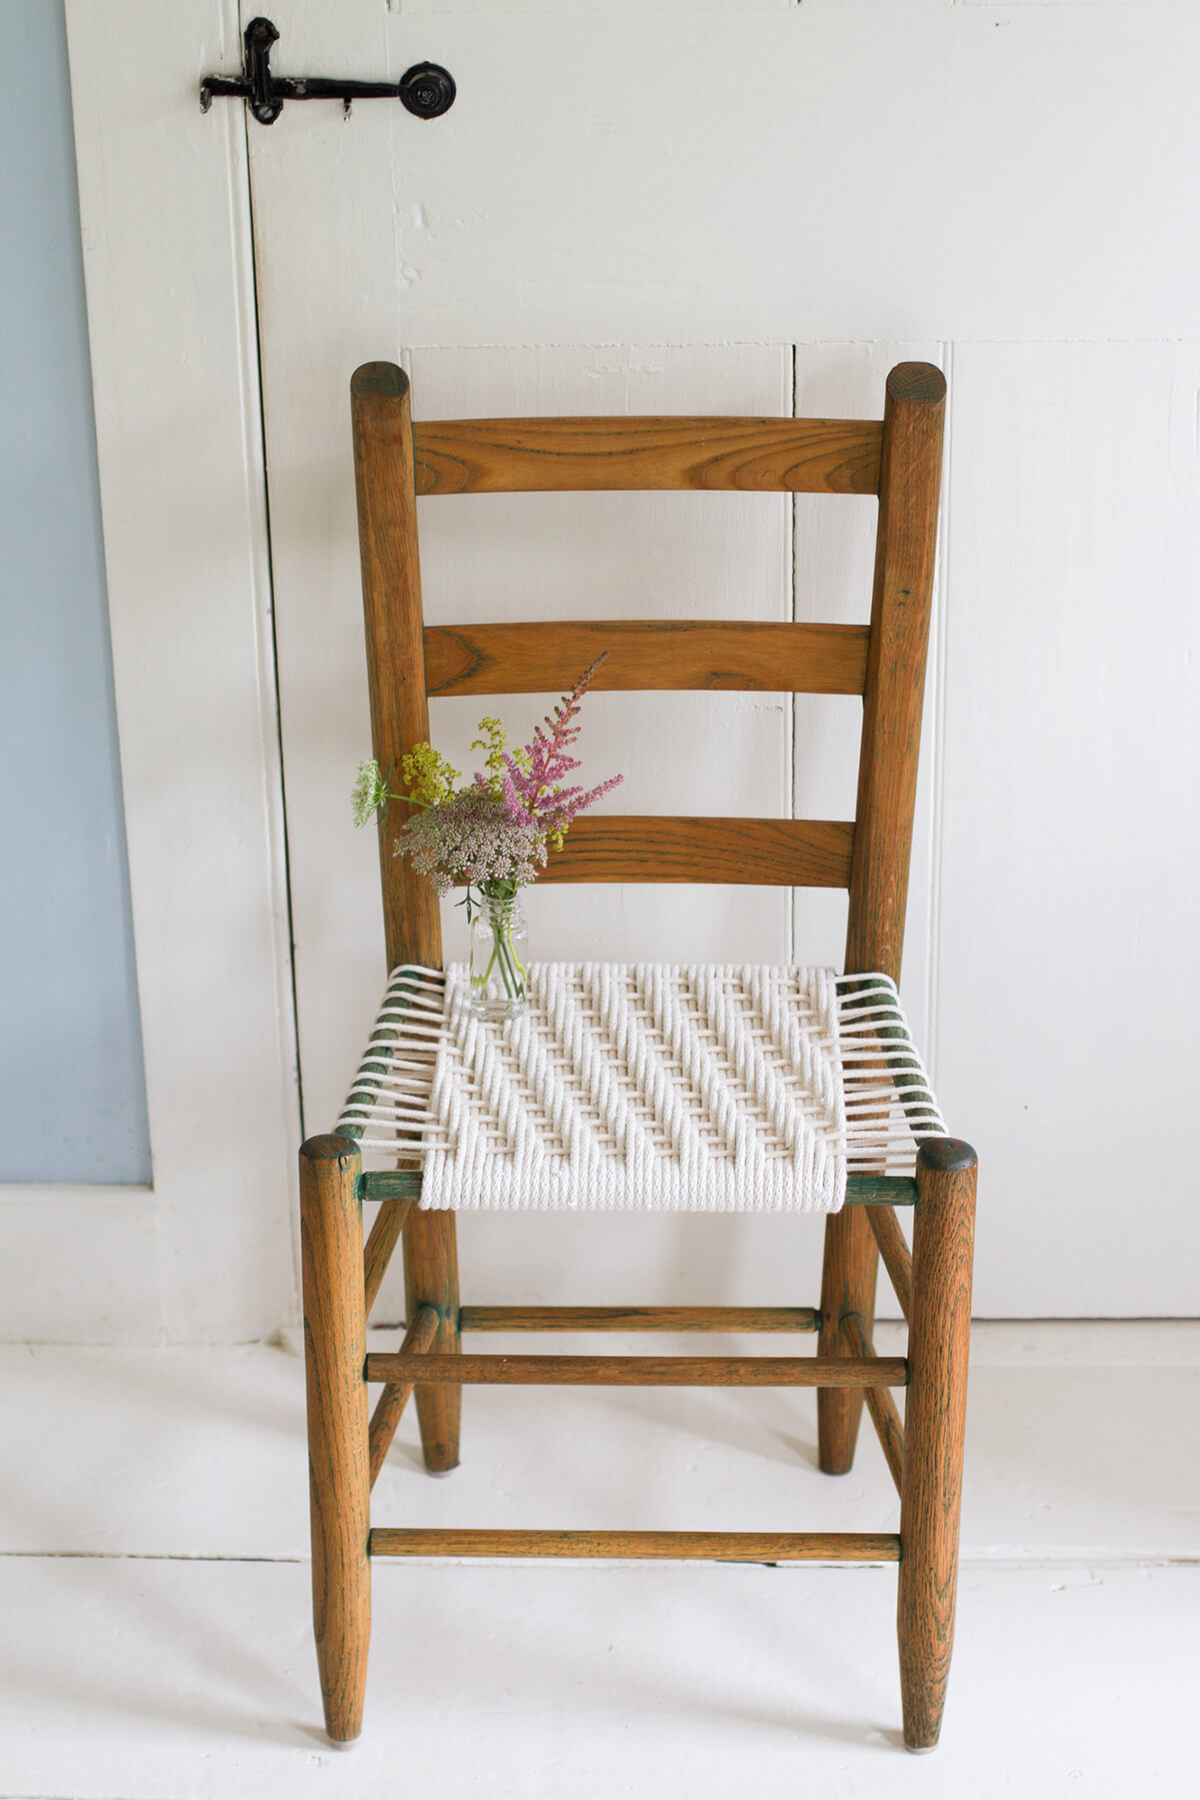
[917,384]
[328,1147]
[380,378]
[946,1154]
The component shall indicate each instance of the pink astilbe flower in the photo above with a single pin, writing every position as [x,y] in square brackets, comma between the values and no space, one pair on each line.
[532,789]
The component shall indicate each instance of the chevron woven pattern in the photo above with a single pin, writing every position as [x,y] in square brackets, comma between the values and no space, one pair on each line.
[648,1087]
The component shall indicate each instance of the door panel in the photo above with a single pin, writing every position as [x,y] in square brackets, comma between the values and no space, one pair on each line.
[757,209]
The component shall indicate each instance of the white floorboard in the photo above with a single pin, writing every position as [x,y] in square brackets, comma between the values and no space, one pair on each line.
[155,1592]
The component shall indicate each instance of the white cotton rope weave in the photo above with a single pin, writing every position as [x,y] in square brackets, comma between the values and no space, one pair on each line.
[647,1087]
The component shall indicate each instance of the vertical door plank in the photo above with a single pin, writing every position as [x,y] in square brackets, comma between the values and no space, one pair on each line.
[1071,831]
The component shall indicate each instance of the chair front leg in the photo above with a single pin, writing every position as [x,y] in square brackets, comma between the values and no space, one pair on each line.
[935,1414]
[335,1348]
[847,1286]
[431,1279]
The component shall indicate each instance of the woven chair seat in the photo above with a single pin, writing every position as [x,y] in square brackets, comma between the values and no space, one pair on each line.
[644,1087]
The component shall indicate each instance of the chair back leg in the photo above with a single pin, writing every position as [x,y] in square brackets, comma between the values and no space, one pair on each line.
[339,1471]
[431,1279]
[847,1286]
[935,1415]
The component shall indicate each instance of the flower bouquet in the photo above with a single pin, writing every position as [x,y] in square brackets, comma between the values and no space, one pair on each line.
[491,836]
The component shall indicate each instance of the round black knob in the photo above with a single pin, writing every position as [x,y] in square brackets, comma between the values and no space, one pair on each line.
[427,90]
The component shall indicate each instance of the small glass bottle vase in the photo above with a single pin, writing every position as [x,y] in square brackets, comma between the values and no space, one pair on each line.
[498,954]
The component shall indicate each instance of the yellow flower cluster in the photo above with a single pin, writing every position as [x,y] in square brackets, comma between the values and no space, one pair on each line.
[495,742]
[427,776]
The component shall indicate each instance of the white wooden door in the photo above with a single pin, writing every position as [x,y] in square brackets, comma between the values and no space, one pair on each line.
[409,242]
[508,253]
[683,208]
[661,204]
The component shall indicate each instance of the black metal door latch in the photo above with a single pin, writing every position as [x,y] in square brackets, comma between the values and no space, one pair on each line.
[425,90]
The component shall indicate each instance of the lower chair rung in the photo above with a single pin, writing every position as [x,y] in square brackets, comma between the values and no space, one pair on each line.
[640,1318]
[641,1371]
[706,1546]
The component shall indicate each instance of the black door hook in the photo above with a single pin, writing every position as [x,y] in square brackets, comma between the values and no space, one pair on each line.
[426,90]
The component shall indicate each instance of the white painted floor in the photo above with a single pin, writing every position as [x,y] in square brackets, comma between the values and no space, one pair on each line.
[156,1608]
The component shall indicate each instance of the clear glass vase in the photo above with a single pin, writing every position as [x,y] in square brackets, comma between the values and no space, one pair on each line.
[498,954]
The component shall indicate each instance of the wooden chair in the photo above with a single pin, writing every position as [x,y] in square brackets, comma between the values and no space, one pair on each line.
[899,459]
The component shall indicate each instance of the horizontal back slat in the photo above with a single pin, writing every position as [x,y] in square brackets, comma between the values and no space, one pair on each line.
[504,456]
[741,852]
[646,654]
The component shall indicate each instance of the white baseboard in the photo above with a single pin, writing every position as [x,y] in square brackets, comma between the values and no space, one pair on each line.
[81,1265]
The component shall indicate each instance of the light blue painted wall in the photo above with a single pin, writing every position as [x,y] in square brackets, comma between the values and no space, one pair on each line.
[72,1088]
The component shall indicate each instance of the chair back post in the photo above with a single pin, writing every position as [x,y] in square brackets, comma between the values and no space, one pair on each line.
[910,479]
[391,577]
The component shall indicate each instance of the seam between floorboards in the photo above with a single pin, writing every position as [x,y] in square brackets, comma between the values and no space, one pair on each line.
[1076,1560]
[198,1556]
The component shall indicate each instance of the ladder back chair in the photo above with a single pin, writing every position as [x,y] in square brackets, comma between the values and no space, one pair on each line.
[884,1115]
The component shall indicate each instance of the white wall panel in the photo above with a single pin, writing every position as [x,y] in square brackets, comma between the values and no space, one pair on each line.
[84,1265]
[1070,865]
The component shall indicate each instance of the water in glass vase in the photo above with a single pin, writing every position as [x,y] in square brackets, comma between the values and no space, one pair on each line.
[498,957]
